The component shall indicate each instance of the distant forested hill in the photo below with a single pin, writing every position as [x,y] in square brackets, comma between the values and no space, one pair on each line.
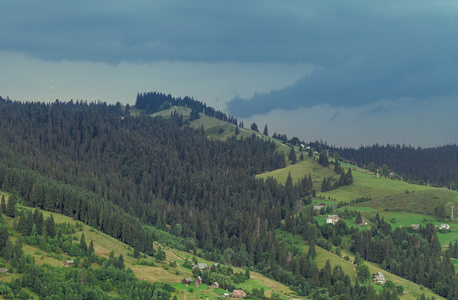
[438,165]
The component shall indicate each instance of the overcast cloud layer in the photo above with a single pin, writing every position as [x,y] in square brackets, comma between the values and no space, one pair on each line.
[333,61]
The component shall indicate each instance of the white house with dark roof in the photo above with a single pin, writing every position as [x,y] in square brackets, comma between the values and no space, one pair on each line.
[332,219]
[444,226]
[379,278]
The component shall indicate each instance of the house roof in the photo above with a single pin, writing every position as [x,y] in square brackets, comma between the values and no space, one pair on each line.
[238,292]
[200,266]
[334,217]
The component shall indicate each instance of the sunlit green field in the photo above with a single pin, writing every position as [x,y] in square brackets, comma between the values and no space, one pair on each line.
[301,169]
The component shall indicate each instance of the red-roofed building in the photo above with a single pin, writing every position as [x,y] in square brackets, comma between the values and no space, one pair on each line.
[238,294]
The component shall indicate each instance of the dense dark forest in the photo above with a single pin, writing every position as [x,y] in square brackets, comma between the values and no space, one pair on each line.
[151,168]
[438,165]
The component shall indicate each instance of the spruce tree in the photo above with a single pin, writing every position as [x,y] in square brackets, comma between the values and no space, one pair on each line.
[342,179]
[254,127]
[3,236]
[247,271]
[349,178]
[323,159]
[266,132]
[3,204]
[120,262]
[11,206]
[359,218]
[90,249]
[292,156]
[22,223]
[83,244]
[312,250]
[50,226]
[337,167]
[8,250]
[136,253]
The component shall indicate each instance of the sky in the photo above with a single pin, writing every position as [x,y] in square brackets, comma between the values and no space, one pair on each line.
[349,73]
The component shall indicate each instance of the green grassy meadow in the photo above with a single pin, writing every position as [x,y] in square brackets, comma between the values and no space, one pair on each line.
[299,170]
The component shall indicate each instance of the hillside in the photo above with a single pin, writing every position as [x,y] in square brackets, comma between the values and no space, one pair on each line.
[401,204]
[210,189]
[169,269]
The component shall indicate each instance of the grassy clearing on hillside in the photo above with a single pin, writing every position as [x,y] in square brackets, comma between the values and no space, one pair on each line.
[299,170]
[213,126]
[368,185]
[322,254]
[161,271]
[421,201]
[186,112]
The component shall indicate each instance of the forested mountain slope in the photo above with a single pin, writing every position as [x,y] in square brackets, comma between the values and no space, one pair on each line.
[119,173]
[150,167]
[123,174]
[438,165]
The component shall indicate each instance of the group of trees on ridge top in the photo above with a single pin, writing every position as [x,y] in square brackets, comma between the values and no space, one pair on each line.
[119,174]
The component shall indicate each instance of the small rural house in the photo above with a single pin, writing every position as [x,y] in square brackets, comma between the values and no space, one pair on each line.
[214,285]
[201,266]
[444,226]
[319,206]
[226,295]
[238,294]
[187,281]
[68,263]
[332,219]
[379,278]
[415,226]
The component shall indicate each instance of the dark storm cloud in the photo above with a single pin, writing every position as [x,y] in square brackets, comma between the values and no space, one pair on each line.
[324,33]
[362,51]
[361,81]
[143,31]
